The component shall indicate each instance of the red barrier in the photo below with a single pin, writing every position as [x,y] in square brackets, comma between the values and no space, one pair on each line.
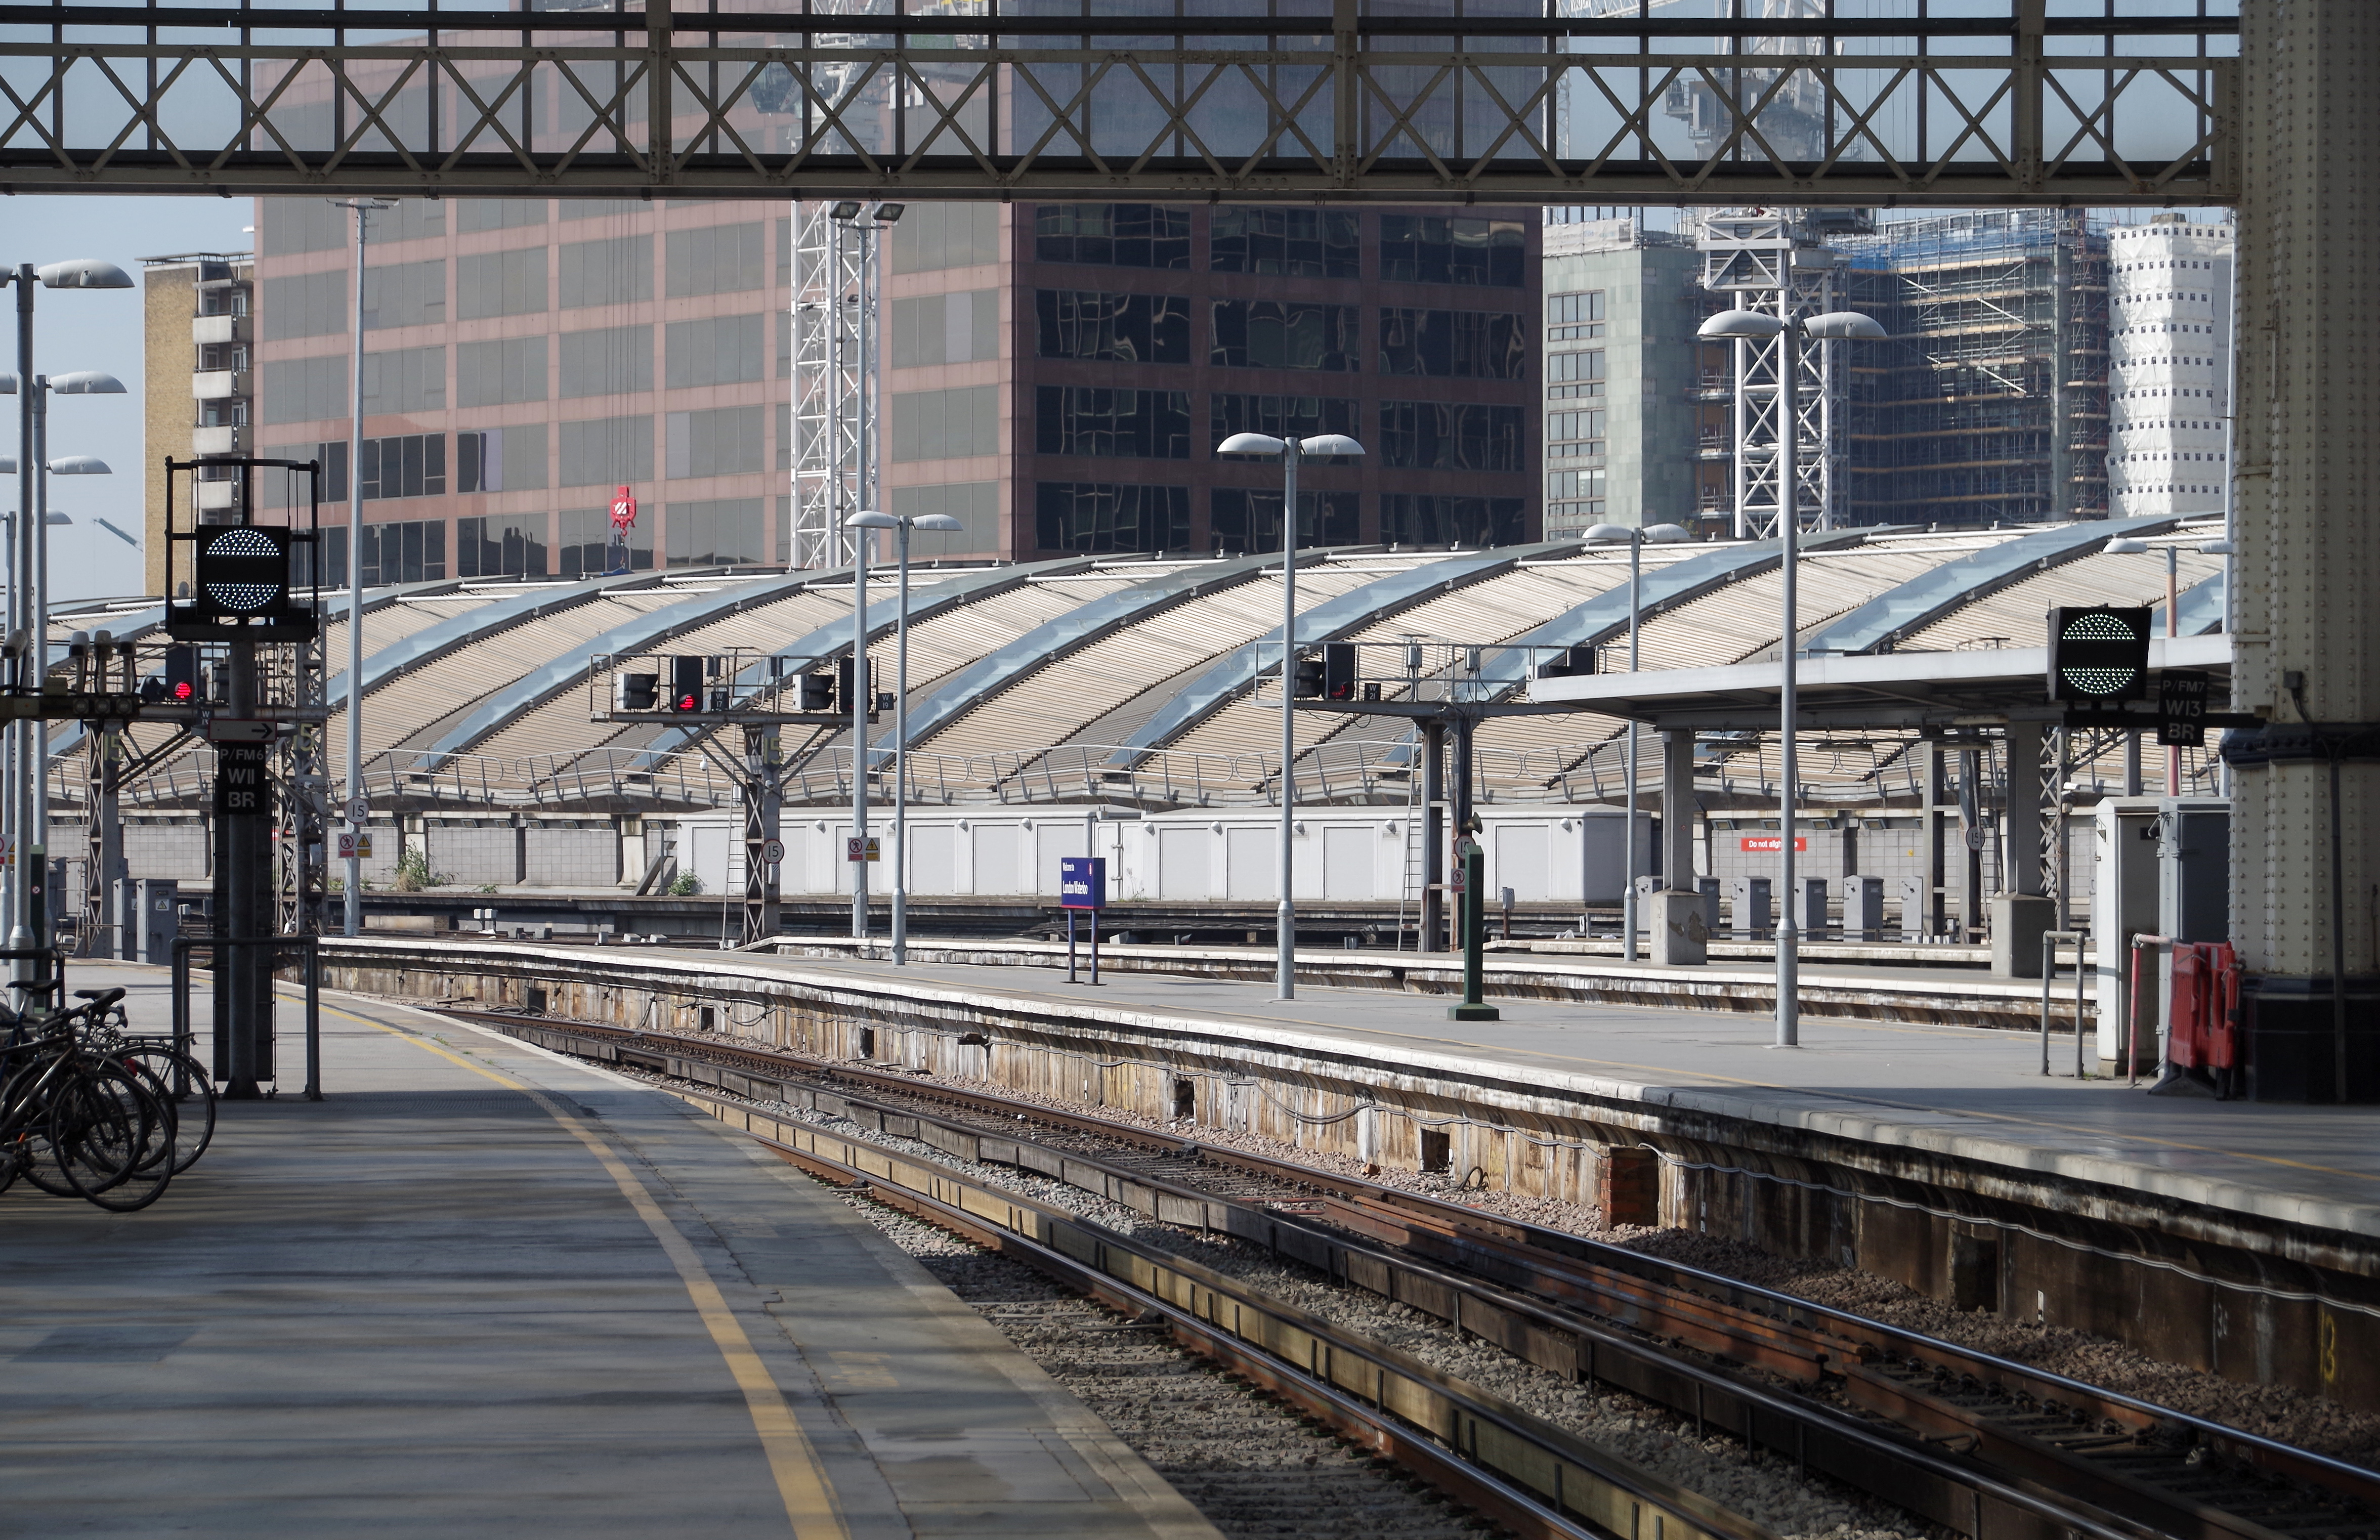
[2202,1026]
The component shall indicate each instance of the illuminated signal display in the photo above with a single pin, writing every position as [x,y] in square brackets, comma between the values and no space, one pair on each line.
[2096,654]
[244,570]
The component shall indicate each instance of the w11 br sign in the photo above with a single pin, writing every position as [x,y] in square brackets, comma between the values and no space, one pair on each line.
[241,791]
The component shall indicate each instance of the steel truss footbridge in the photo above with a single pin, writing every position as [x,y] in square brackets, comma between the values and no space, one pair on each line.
[1715,101]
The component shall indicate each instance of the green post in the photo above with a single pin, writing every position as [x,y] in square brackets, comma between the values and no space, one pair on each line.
[1475,938]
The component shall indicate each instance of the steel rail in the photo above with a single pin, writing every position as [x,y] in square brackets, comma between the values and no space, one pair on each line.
[1265,1339]
[1521,1295]
[1498,1459]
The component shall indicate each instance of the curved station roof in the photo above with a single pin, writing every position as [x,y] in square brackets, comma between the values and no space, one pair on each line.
[1147,681]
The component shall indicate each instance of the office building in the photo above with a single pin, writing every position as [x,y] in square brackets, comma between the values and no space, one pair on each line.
[1621,431]
[2169,395]
[1056,376]
[1989,405]
[198,387]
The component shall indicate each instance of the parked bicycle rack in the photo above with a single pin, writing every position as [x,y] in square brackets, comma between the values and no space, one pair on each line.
[310,945]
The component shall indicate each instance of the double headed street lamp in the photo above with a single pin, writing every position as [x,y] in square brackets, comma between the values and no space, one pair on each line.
[1789,332]
[1321,446]
[28,802]
[943,523]
[1638,539]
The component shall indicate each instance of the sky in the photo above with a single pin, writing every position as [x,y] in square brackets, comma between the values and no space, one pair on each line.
[78,329]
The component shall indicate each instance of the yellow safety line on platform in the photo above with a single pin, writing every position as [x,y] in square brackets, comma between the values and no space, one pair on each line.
[801,1480]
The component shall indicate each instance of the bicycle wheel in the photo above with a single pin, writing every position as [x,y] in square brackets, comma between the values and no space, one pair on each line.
[194,1113]
[112,1138]
[161,1096]
[26,1103]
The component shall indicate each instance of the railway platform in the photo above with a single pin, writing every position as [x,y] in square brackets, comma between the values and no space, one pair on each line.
[2243,1238]
[1955,1090]
[485,1291]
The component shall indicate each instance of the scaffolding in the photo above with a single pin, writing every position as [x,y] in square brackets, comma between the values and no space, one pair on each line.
[1769,260]
[830,397]
[1989,404]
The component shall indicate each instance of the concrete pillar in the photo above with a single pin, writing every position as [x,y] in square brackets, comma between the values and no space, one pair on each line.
[1677,924]
[2021,910]
[2306,457]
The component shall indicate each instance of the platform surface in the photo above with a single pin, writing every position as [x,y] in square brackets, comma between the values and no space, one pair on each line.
[1972,1092]
[480,1291]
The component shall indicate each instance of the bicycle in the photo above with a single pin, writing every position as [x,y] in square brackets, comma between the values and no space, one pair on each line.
[97,1123]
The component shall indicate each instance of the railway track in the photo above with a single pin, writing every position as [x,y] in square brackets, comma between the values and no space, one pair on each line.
[1978,1445]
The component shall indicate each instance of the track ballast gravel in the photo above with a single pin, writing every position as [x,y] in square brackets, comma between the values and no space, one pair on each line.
[1253,1468]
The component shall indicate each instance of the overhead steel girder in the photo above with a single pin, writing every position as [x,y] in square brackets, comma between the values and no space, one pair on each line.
[1348,114]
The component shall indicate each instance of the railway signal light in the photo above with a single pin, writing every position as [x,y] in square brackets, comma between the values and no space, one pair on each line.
[1306,683]
[817,692]
[181,675]
[685,685]
[242,572]
[637,692]
[1339,671]
[2099,653]
[848,696]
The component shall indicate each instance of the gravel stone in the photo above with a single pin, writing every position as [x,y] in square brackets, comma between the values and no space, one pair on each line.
[1256,1469]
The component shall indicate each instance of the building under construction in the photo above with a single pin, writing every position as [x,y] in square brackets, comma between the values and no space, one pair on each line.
[1990,404]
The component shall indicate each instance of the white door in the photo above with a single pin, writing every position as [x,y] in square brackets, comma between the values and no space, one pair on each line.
[998,872]
[1524,863]
[702,854]
[1248,858]
[933,858]
[1054,841]
[1182,855]
[1347,863]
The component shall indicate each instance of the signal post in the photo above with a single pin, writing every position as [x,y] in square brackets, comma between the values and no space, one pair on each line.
[1445,689]
[236,592]
[758,695]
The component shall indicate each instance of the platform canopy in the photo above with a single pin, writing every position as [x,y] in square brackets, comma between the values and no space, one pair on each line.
[1985,687]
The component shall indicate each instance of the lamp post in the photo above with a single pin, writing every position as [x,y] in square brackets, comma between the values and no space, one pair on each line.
[2127,545]
[861,490]
[1788,331]
[1290,452]
[903,523]
[1638,539]
[28,804]
[352,915]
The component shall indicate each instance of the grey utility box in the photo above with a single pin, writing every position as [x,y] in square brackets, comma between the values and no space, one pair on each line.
[2123,905]
[1708,888]
[1748,896]
[158,920]
[1812,916]
[1864,908]
[1916,910]
[2194,869]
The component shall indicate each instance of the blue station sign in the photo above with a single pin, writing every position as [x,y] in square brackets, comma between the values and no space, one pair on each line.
[1082,882]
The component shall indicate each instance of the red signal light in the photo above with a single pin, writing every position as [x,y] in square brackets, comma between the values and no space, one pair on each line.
[182,690]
